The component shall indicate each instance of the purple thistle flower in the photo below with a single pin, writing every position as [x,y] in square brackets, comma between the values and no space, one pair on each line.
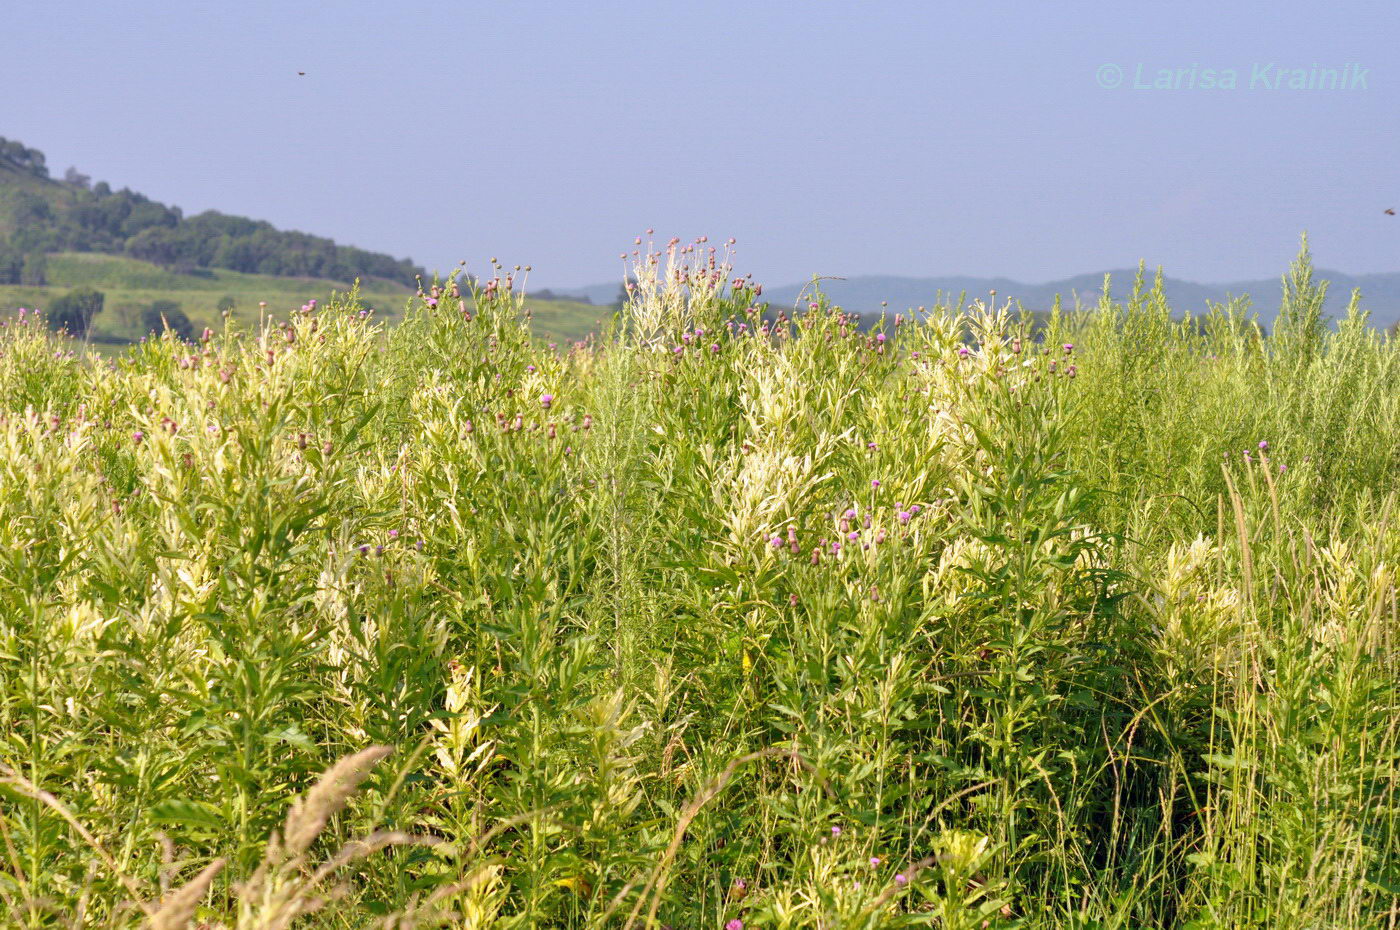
[393,534]
[874,482]
[735,924]
[835,831]
[962,352]
[874,862]
[546,400]
[776,542]
[879,337]
[904,516]
[1263,445]
[900,879]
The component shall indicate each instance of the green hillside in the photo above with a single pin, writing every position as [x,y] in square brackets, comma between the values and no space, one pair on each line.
[40,216]
[60,235]
[129,284]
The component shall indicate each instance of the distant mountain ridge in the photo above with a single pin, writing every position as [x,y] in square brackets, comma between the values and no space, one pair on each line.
[1380,293]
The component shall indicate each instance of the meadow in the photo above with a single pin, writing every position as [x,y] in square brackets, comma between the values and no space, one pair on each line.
[128,283]
[725,618]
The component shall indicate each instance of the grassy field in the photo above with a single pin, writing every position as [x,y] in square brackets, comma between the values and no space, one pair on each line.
[129,284]
[707,623]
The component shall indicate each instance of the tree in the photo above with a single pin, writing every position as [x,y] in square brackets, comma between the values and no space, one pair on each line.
[157,244]
[31,160]
[34,270]
[226,304]
[73,312]
[11,264]
[77,178]
[163,314]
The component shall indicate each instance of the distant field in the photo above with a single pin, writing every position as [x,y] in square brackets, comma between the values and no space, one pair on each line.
[128,284]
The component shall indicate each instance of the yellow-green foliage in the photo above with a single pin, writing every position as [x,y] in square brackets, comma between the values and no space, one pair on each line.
[716,619]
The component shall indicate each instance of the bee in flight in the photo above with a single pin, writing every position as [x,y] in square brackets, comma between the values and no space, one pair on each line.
[1389,211]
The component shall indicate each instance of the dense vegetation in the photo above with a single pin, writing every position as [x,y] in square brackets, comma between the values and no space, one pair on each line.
[40,215]
[710,623]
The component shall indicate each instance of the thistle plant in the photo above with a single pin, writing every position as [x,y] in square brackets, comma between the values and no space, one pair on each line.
[731,615]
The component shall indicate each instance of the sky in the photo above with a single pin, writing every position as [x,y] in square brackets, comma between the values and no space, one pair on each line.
[1017,139]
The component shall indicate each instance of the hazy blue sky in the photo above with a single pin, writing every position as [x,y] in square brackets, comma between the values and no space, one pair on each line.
[902,138]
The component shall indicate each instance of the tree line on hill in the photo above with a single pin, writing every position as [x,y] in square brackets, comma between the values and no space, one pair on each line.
[76,215]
